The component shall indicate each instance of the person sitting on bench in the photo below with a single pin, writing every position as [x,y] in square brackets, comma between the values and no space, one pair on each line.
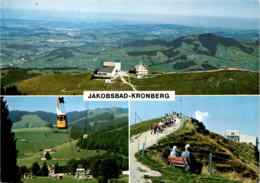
[174,152]
[195,166]
[186,153]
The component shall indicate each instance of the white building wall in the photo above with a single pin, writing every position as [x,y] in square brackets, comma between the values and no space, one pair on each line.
[117,65]
[232,133]
[248,139]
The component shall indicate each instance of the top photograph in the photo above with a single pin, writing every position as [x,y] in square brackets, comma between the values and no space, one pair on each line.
[192,47]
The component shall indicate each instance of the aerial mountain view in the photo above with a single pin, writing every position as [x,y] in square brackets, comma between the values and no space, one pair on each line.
[221,148]
[75,43]
[82,150]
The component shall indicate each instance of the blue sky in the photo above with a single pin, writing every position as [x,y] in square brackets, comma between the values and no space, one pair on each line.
[48,103]
[218,113]
[230,8]
[236,14]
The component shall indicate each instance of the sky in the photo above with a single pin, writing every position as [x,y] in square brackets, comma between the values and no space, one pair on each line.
[48,104]
[232,14]
[218,113]
[229,8]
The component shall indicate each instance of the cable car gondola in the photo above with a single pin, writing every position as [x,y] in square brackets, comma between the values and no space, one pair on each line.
[61,114]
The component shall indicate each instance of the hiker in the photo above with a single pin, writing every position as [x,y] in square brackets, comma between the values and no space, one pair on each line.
[155,126]
[174,152]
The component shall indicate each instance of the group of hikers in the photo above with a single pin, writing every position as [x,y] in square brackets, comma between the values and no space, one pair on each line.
[167,121]
[195,167]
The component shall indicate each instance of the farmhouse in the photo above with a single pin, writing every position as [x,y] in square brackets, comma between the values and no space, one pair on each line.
[28,176]
[141,69]
[108,70]
[85,136]
[49,151]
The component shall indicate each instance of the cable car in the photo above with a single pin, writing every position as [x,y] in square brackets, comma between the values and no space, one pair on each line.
[62,122]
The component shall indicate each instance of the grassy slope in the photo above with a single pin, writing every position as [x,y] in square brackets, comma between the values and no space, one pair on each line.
[220,82]
[12,75]
[68,84]
[29,121]
[142,127]
[39,139]
[241,164]
[43,138]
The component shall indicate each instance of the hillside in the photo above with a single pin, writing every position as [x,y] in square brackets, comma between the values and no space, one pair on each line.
[26,119]
[30,121]
[33,136]
[217,82]
[113,139]
[63,84]
[231,160]
[97,120]
[205,83]
[32,141]
[197,52]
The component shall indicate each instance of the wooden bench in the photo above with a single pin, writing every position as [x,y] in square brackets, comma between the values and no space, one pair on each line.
[179,161]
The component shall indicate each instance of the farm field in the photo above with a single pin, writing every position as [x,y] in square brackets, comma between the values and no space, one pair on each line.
[163,47]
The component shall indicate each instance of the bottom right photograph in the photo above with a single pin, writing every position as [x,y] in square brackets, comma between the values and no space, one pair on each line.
[195,139]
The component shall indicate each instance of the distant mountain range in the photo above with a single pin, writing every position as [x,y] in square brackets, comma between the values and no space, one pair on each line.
[84,45]
[79,122]
[198,52]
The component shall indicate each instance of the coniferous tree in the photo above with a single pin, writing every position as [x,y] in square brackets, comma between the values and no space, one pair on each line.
[36,170]
[47,156]
[9,168]
[45,169]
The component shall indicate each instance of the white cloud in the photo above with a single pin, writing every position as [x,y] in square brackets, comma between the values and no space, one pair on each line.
[201,116]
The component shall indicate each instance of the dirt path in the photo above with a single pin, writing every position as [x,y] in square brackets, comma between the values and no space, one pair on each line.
[137,169]
[130,84]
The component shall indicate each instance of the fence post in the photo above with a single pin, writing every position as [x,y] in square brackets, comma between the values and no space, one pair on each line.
[138,145]
[210,164]
[143,150]
[157,137]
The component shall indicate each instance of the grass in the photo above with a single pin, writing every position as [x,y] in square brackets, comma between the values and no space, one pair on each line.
[142,127]
[65,84]
[29,121]
[38,139]
[178,175]
[65,179]
[12,75]
[219,82]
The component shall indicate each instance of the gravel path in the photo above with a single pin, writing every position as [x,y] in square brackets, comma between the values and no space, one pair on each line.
[137,169]
[130,84]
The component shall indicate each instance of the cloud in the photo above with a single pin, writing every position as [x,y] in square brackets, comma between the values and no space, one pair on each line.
[201,116]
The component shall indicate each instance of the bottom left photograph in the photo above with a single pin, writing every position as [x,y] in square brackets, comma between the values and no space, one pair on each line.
[64,139]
